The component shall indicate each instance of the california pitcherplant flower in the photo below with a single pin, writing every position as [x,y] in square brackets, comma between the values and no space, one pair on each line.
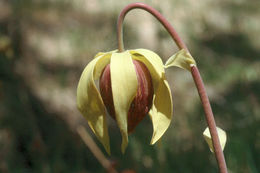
[134,85]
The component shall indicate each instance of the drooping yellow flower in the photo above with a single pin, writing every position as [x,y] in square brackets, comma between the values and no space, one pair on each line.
[124,85]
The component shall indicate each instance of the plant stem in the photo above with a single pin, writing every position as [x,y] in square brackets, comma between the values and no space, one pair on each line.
[209,118]
[156,14]
[194,71]
[95,150]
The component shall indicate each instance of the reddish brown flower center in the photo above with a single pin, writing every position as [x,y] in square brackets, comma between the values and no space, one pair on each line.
[142,102]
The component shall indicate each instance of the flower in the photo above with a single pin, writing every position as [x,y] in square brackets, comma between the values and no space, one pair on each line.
[125,69]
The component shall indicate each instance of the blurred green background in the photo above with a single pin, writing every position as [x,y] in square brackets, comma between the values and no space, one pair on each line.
[45,44]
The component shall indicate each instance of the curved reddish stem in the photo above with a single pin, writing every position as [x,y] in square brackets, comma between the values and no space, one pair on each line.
[156,14]
[209,118]
[194,71]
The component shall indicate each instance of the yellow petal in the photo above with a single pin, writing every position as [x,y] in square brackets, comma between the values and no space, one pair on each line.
[124,87]
[222,138]
[101,64]
[161,111]
[182,59]
[152,61]
[103,53]
[90,103]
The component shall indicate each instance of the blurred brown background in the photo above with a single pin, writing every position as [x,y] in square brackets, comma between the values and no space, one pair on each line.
[45,45]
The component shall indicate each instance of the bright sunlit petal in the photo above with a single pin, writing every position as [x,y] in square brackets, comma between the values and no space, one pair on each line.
[124,87]
[152,61]
[90,103]
[162,109]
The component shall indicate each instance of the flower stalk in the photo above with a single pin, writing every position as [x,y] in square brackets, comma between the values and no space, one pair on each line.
[209,118]
[194,71]
[108,165]
[156,14]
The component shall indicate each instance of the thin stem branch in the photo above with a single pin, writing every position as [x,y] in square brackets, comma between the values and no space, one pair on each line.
[194,71]
[95,150]
[210,119]
[156,14]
